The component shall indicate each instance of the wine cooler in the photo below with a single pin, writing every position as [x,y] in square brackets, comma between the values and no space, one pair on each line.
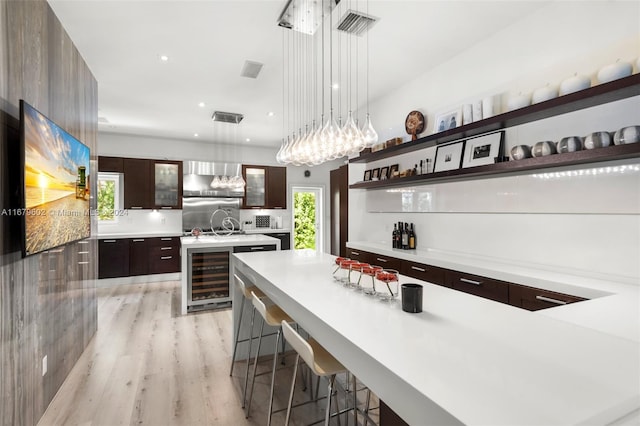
[208,281]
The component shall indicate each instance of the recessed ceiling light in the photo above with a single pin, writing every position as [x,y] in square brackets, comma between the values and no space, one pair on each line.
[196,135]
[164,58]
[202,104]
[271,114]
[248,140]
[335,86]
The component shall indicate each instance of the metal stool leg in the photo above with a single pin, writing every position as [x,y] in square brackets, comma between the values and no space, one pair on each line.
[235,347]
[355,400]
[327,413]
[293,386]
[246,375]
[273,376]
[255,367]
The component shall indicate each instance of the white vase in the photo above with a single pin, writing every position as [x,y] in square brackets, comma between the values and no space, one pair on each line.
[518,101]
[544,94]
[574,83]
[614,71]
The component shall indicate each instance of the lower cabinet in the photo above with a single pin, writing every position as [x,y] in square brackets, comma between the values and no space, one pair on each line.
[284,237]
[125,257]
[518,295]
[255,248]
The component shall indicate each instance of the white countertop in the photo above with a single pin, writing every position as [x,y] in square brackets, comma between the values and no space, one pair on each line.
[266,230]
[617,300]
[211,241]
[464,359]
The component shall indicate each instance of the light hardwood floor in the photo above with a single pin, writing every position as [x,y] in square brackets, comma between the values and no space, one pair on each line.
[149,365]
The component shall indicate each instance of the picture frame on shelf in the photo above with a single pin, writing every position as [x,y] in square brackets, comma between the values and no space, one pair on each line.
[384,173]
[375,174]
[483,150]
[448,120]
[449,156]
[393,169]
[367,175]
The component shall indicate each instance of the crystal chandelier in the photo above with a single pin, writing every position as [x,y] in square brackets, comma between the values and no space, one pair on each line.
[318,68]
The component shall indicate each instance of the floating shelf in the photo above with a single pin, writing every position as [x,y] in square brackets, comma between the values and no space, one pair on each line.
[601,94]
[611,153]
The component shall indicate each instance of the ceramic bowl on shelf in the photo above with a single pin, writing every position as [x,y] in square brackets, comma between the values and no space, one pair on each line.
[569,144]
[574,83]
[597,140]
[544,94]
[615,71]
[626,135]
[544,148]
[520,152]
[518,101]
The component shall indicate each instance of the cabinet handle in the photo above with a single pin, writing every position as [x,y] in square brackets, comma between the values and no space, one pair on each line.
[108,241]
[257,248]
[415,268]
[381,260]
[166,239]
[550,300]
[464,280]
[355,253]
[166,257]
[135,207]
[138,240]
[166,207]
[166,248]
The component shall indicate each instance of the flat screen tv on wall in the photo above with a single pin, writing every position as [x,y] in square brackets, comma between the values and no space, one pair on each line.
[56,183]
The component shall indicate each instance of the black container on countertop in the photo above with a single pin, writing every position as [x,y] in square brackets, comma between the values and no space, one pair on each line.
[412,298]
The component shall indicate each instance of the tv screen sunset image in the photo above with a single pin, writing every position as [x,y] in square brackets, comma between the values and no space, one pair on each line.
[56,177]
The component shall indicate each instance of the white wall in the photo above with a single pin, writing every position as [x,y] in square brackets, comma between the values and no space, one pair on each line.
[563,38]
[112,144]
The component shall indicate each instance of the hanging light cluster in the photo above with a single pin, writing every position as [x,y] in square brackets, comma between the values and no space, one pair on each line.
[227,120]
[313,137]
[227,182]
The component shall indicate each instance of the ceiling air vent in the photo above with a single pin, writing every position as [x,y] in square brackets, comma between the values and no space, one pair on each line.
[227,117]
[251,69]
[356,23]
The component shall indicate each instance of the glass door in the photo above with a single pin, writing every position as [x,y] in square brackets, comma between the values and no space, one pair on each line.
[307,218]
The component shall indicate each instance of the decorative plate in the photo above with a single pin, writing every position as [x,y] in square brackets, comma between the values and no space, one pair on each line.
[414,124]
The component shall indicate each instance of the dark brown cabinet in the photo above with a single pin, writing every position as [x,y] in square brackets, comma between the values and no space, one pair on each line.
[111,164]
[137,184]
[428,273]
[125,257]
[285,239]
[113,258]
[359,255]
[479,286]
[266,187]
[534,299]
[166,178]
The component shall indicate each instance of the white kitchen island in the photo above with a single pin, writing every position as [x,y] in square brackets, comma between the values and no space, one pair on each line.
[464,359]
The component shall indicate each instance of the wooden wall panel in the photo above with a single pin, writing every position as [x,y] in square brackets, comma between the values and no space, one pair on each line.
[47,301]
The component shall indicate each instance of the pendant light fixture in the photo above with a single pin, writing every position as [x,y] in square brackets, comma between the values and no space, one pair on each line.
[307,32]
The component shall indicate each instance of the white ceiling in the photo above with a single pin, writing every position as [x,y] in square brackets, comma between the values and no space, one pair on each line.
[208,42]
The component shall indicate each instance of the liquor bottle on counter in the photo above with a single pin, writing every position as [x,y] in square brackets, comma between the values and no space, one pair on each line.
[412,238]
[405,236]
[399,236]
[394,236]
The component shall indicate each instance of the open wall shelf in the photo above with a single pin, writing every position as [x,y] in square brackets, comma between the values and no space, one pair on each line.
[611,153]
[601,94]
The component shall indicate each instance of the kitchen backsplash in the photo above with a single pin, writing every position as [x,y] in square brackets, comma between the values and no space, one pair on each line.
[144,222]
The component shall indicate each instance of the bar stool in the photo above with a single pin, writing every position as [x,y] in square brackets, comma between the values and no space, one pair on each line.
[246,295]
[274,316]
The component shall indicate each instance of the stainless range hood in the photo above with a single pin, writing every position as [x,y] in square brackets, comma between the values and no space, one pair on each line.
[198,176]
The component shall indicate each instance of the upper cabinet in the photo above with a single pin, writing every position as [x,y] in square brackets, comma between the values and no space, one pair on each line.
[266,187]
[148,184]
[167,184]
[601,94]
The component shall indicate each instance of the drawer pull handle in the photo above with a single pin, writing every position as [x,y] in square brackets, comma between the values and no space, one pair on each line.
[166,248]
[138,240]
[166,207]
[108,241]
[355,253]
[166,239]
[257,248]
[464,280]
[550,300]
[136,207]
[381,260]
[415,268]
[166,257]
